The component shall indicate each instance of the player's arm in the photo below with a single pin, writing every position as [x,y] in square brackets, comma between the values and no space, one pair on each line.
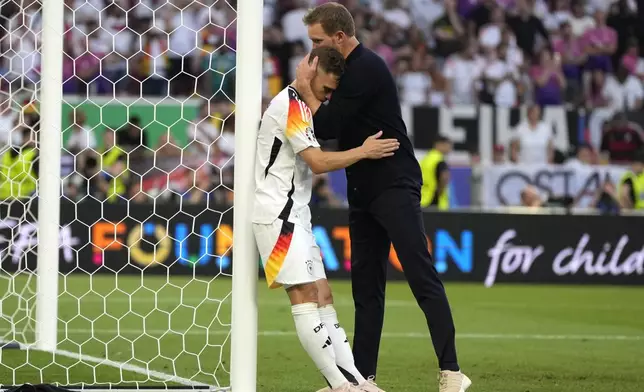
[325,161]
[354,91]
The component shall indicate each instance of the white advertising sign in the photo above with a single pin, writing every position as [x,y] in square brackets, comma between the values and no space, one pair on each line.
[502,184]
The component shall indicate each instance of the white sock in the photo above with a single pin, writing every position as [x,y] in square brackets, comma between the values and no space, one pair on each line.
[316,342]
[341,346]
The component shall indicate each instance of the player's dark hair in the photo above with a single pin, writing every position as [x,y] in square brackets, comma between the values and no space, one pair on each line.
[333,17]
[329,60]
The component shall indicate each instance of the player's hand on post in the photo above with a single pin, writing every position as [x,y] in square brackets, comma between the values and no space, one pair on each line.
[376,148]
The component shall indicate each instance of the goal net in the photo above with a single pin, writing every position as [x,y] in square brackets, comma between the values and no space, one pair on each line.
[146,195]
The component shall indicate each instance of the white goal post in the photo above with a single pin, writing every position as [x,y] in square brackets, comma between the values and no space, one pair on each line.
[248,107]
[49,179]
[240,341]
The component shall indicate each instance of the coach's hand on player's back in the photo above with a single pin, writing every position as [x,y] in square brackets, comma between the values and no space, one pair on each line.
[376,148]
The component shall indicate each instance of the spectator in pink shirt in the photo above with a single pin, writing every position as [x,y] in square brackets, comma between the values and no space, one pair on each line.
[571,51]
[600,44]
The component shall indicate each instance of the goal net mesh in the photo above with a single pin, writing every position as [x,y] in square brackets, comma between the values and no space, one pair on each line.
[146,183]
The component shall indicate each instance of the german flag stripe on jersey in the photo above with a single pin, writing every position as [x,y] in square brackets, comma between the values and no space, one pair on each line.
[276,259]
[299,115]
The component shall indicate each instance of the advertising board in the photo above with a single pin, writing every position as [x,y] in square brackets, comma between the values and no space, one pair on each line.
[474,247]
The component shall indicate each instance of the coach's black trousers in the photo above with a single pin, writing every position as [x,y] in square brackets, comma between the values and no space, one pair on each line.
[395,217]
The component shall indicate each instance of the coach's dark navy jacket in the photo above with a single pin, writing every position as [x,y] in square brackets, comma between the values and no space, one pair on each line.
[365,102]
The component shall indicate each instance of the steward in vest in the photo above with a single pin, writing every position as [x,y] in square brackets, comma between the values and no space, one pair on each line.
[19,172]
[434,192]
[113,165]
[631,186]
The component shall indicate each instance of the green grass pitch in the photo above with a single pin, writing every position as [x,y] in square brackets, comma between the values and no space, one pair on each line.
[511,338]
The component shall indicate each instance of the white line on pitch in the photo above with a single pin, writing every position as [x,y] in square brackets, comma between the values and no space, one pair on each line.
[340,302]
[130,368]
[406,335]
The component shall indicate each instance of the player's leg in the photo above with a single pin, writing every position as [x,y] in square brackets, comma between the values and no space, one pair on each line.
[312,332]
[341,346]
[398,210]
[284,249]
[343,354]
[369,257]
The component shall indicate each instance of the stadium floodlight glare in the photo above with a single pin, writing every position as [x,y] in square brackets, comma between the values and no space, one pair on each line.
[79,322]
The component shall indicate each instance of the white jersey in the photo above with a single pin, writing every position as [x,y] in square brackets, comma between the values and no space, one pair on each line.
[283,180]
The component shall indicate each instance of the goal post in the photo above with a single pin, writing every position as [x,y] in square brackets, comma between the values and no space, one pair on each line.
[248,102]
[49,179]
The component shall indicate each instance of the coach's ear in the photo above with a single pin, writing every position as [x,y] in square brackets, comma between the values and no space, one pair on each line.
[340,37]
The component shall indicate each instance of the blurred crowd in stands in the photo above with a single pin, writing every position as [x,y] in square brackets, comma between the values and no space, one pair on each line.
[506,53]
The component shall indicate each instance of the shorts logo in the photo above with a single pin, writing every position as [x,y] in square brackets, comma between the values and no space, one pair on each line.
[309,266]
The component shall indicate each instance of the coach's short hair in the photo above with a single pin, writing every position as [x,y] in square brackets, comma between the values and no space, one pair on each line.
[333,17]
[329,60]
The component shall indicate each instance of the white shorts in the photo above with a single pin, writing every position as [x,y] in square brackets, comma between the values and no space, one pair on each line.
[289,254]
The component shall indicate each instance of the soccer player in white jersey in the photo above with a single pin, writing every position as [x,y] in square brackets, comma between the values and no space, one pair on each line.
[287,156]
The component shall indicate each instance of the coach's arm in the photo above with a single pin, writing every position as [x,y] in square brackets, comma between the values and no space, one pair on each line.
[325,161]
[353,93]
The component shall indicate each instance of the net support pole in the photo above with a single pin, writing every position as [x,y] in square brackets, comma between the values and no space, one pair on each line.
[248,101]
[51,99]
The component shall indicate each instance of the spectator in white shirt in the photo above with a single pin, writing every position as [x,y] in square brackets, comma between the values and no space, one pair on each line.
[182,27]
[396,14]
[118,42]
[609,95]
[490,35]
[535,139]
[425,12]
[600,102]
[579,20]
[153,59]
[558,15]
[20,49]
[625,91]
[226,141]
[293,26]
[415,83]
[202,133]
[462,70]
[496,80]
[81,137]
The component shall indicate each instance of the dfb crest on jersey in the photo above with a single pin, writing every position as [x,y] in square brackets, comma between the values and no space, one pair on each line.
[309,266]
